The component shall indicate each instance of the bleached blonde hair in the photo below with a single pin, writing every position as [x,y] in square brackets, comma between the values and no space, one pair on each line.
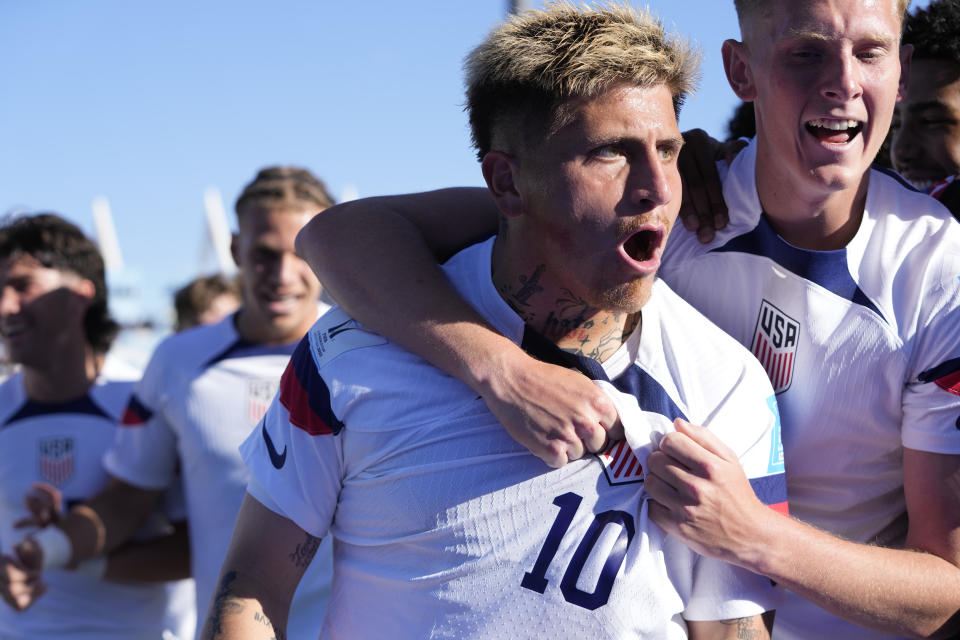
[522,76]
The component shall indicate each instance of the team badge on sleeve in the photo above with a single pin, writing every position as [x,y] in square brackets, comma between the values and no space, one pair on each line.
[775,345]
[946,376]
[56,459]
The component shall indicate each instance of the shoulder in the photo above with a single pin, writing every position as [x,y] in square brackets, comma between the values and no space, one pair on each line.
[194,347]
[365,378]
[707,362]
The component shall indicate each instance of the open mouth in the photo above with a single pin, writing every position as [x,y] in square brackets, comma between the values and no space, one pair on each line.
[643,245]
[834,131]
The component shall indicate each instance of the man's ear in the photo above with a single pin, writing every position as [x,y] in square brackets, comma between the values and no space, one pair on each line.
[906,55]
[736,64]
[500,172]
[84,288]
[235,248]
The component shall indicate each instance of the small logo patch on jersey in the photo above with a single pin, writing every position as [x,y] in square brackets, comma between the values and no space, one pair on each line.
[276,459]
[56,459]
[775,345]
[259,396]
[620,464]
[344,334]
[776,445]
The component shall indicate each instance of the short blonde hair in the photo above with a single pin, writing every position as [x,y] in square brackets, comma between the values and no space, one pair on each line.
[519,79]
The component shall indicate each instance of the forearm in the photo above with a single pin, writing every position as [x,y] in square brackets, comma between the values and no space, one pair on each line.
[898,591]
[236,616]
[107,520]
[752,628]
[396,288]
[159,559]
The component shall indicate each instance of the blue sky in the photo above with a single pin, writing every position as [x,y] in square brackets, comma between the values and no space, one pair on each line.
[149,103]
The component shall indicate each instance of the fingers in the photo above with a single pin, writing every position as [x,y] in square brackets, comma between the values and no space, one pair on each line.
[44,503]
[19,587]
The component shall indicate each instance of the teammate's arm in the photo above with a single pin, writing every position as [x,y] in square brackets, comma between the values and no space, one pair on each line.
[109,519]
[753,628]
[702,496]
[377,259]
[159,559]
[268,555]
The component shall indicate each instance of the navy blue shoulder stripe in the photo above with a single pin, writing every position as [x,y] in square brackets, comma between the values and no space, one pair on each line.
[635,381]
[239,346]
[828,269]
[305,394]
[896,176]
[82,406]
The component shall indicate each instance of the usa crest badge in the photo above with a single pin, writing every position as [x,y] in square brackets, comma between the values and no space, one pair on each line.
[56,459]
[775,345]
[259,396]
[620,464]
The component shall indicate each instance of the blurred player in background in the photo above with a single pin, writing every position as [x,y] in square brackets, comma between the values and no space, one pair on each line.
[205,389]
[926,124]
[58,415]
[206,300]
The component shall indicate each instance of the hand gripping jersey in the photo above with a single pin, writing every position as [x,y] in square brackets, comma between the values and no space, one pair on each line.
[862,346]
[202,393]
[62,445]
[445,527]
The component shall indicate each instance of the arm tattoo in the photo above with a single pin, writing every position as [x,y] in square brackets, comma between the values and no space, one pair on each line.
[305,551]
[224,603]
[265,621]
[748,628]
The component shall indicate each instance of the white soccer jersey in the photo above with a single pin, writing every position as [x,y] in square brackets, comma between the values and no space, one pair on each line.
[862,346]
[202,393]
[62,445]
[444,527]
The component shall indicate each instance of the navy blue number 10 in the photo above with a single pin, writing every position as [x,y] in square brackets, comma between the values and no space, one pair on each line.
[536,580]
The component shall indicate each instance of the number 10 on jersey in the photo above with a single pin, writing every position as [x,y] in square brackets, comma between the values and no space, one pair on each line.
[536,580]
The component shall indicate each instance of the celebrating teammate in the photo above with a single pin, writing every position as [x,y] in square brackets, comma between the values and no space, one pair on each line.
[205,389]
[445,527]
[926,123]
[58,415]
[842,280]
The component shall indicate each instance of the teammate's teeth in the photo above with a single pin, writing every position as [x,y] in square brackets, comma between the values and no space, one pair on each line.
[834,125]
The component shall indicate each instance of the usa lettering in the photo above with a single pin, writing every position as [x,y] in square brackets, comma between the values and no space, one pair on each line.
[782,334]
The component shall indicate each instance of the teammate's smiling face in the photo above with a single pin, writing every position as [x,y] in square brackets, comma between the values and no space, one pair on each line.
[41,310]
[279,289]
[824,76]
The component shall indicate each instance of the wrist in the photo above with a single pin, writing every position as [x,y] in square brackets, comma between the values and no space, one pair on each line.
[55,547]
[489,361]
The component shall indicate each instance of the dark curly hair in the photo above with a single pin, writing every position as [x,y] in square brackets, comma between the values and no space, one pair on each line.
[934,31]
[61,245]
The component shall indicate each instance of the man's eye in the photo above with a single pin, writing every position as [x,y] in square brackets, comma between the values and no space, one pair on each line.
[667,154]
[609,151]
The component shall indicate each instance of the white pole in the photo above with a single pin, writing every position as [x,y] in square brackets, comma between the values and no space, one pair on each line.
[219,229]
[107,235]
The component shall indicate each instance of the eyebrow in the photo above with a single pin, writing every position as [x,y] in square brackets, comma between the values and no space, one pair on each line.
[805,34]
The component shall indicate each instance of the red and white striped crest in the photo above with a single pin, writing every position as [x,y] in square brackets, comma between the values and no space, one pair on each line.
[259,396]
[620,464]
[56,459]
[775,345]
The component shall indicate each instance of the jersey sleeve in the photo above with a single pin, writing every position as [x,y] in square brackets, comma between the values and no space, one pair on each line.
[295,455]
[722,591]
[144,451]
[931,397]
